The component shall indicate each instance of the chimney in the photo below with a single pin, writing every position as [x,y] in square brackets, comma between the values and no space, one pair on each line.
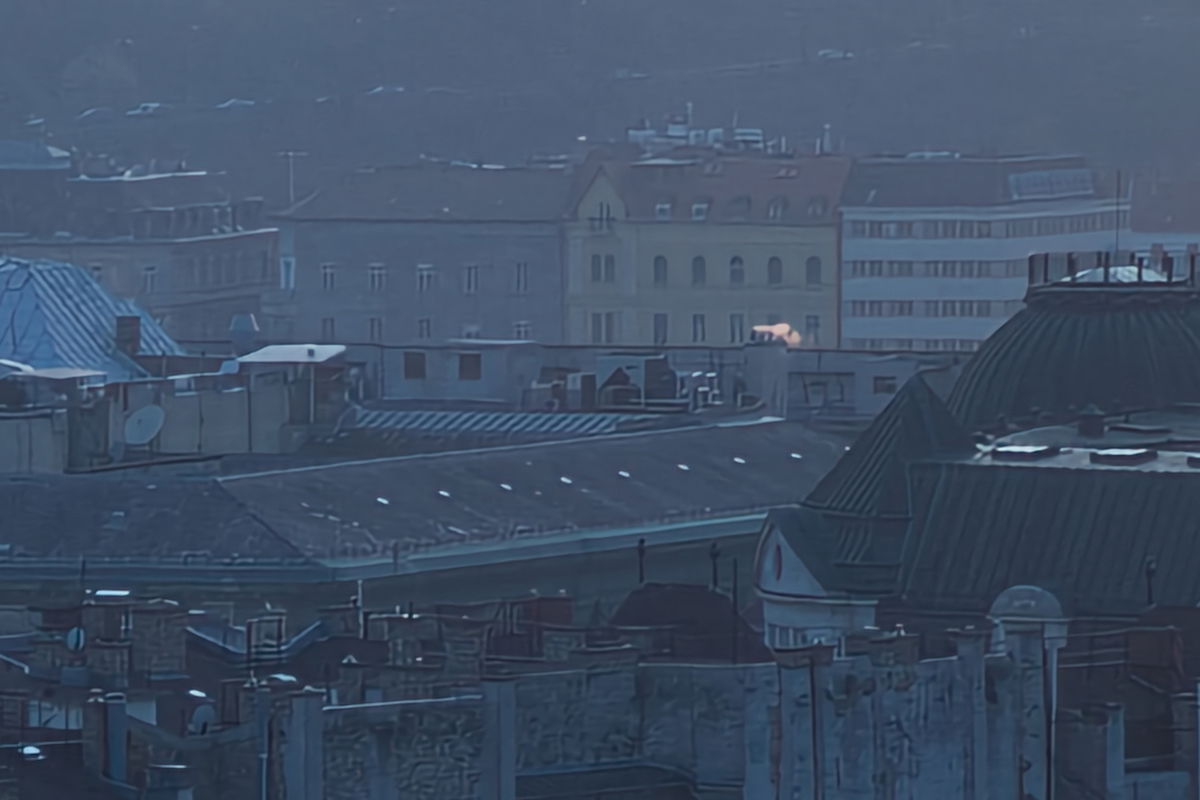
[1091,422]
[168,782]
[129,335]
[116,736]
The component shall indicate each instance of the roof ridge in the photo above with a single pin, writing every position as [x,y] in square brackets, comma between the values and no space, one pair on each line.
[254,515]
[447,454]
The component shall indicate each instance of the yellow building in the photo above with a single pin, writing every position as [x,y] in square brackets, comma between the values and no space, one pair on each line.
[681,250]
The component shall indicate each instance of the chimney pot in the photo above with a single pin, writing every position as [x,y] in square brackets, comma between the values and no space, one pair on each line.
[129,334]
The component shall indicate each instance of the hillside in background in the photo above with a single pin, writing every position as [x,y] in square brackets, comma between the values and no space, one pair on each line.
[499,81]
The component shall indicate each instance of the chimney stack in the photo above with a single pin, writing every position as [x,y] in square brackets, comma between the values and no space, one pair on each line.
[129,335]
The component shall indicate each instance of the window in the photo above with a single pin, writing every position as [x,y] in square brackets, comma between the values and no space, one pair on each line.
[149,280]
[426,277]
[470,366]
[661,328]
[471,331]
[471,279]
[737,271]
[904,344]
[858,229]
[875,269]
[328,277]
[662,212]
[818,207]
[900,269]
[737,328]
[812,271]
[932,308]
[610,268]
[699,332]
[774,271]
[949,308]
[597,268]
[521,278]
[287,273]
[885,384]
[376,277]
[812,329]
[327,330]
[902,308]
[660,271]
[777,208]
[375,329]
[699,271]
[424,328]
[699,212]
[523,330]
[414,365]
[604,327]
[740,206]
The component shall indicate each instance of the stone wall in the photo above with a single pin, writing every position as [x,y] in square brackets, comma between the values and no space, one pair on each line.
[424,750]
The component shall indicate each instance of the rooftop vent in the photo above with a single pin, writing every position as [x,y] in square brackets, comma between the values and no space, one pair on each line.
[1024,452]
[1123,456]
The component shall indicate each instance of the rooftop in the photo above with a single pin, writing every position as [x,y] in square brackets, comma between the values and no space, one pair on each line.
[16,155]
[406,504]
[56,315]
[783,191]
[940,180]
[440,193]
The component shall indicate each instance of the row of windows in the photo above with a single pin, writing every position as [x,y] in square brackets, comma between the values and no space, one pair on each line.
[603,328]
[932,308]
[604,270]
[930,345]
[987,229]
[1013,268]
[230,269]
[522,329]
[470,366]
[426,277]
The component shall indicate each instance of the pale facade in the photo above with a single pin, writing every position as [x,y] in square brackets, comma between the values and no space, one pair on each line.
[677,276]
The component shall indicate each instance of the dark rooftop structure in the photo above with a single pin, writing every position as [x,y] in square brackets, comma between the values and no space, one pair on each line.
[1086,474]
[440,192]
[952,179]
[20,156]
[395,506]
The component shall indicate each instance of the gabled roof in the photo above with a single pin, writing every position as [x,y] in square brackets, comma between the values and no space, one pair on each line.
[870,479]
[440,193]
[57,315]
[775,191]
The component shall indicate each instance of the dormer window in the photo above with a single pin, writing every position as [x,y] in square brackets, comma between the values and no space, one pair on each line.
[818,207]
[662,212]
[740,206]
[777,208]
[699,212]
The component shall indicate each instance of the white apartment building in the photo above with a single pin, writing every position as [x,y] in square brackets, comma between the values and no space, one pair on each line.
[935,246]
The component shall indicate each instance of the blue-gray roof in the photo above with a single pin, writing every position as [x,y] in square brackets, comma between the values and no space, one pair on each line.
[57,315]
[18,155]
[496,422]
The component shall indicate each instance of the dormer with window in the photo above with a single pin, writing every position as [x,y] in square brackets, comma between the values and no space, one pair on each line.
[662,211]
[818,206]
[777,208]
[739,207]
[700,211]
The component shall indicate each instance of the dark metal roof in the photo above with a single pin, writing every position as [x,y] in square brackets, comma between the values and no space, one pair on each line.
[16,155]
[1084,534]
[363,508]
[509,422]
[1118,346]
[870,478]
[946,181]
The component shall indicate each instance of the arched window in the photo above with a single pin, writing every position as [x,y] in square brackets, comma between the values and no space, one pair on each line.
[774,271]
[699,271]
[812,271]
[777,208]
[660,270]
[737,271]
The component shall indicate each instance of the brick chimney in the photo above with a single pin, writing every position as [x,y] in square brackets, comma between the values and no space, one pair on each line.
[129,334]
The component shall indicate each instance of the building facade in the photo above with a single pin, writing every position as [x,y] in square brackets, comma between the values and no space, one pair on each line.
[935,245]
[172,241]
[413,254]
[699,250]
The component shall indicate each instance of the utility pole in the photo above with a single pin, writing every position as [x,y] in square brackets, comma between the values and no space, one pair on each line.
[291,156]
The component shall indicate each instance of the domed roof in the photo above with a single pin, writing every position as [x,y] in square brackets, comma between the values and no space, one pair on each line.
[1125,342]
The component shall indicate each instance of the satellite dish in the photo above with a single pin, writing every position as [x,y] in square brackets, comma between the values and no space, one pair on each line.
[76,639]
[144,424]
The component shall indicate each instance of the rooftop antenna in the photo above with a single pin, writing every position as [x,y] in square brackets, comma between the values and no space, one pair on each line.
[1117,218]
[291,156]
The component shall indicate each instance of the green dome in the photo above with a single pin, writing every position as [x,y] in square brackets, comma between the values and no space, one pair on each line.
[1121,346]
